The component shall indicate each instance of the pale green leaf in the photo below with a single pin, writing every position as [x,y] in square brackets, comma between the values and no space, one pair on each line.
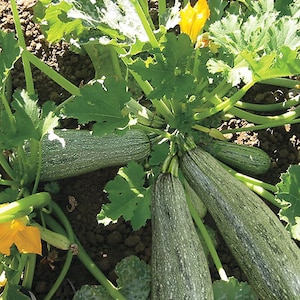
[288,192]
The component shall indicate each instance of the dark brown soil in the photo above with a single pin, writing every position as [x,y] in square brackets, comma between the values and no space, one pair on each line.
[108,245]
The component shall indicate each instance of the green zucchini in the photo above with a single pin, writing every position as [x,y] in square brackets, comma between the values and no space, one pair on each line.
[78,152]
[244,158]
[179,266]
[257,239]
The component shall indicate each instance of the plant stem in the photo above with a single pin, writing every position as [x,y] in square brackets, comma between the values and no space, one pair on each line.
[36,150]
[70,234]
[272,124]
[5,165]
[21,40]
[94,270]
[145,22]
[259,187]
[282,119]
[145,6]
[269,107]
[59,79]
[207,240]
[144,85]
[29,270]
[144,115]
[86,260]
[283,82]
[161,9]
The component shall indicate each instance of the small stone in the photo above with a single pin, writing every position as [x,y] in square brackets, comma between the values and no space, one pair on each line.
[132,240]
[114,238]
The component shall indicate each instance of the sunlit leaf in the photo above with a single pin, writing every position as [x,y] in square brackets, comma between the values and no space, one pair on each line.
[103,103]
[233,290]
[288,192]
[128,197]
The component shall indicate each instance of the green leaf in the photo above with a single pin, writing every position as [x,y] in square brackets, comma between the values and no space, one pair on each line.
[264,43]
[8,195]
[92,292]
[134,278]
[167,70]
[233,290]
[103,103]
[72,20]
[280,64]
[9,53]
[133,282]
[12,291]
[128,197]
[288,192]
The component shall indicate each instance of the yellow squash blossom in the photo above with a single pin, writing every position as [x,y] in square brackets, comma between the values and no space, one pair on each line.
[26,238]
[193,19]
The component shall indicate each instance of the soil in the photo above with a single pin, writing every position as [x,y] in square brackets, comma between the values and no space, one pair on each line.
[107,245]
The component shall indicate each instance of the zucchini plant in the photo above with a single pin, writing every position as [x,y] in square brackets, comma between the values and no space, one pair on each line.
[157,95]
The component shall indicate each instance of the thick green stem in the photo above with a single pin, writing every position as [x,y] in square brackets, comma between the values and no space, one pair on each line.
[21,40]
[152,39]
[224,105]
[29,270]
[6,109]
[269,107]
[70,234]
[259,187]
[282,119]
[162,7]
[144,85]
[86,260]
[36,201]
[59,79]
[283,82]
[260,127]
[36,150]
[144,115]
[5,165]
[163,109]
[207,240]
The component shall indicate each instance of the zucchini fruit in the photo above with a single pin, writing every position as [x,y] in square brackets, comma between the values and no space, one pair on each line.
[81,152]
[244,158]
[179,266]
[257,239]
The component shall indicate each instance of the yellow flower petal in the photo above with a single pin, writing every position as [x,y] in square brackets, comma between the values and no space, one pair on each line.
[26,238]
[5,238]
[194,18]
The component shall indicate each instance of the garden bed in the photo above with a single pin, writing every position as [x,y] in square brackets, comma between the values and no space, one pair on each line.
[107,245]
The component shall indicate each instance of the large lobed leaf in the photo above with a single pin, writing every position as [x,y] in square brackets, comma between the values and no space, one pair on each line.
[288,192]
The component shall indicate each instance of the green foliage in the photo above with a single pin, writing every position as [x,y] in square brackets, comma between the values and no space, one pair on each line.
[133,282]
[103,103]
[262,45]
[28,121]
[9,53]
[73,20]
[128,196]
[288,192]
[233,290]
[133,278]
[92,292]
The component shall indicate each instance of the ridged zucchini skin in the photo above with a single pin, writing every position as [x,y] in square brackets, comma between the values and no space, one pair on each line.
[259,242]
[244,158]
[179,266]
[84,152]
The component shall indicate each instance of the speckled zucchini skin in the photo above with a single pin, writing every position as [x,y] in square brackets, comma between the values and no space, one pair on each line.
[259,242]
[179,266]
[250,160]
[84,152]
